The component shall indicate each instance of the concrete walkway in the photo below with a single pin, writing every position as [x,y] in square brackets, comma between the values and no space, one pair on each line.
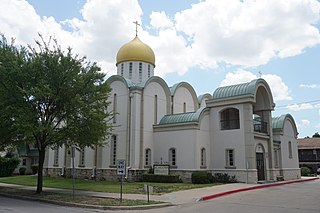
[179,197]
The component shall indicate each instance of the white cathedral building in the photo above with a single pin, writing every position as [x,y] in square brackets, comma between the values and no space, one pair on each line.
[230,131]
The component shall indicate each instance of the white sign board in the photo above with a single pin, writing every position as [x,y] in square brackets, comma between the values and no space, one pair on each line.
[161,169]
[121,167]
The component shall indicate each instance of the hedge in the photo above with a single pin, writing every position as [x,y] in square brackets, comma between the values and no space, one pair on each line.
[161,178]
[7,166]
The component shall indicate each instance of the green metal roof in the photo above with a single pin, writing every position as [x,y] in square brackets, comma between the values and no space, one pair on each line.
[207,95]
[237,90]
[278,122]
[182,117]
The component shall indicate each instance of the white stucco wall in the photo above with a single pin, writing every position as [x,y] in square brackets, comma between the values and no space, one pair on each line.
[226,139]
[182,95]
[289,136]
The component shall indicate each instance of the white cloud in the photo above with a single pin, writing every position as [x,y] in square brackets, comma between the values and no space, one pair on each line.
[250,33]
[303,106]
[159,20]
[279,89]
[311,86]
[245,33]
[303,123]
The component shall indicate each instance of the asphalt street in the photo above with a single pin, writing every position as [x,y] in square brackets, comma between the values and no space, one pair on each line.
[292,198]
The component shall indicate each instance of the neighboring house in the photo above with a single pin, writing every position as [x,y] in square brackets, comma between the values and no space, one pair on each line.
[309,153]
[28,155]
[231,131]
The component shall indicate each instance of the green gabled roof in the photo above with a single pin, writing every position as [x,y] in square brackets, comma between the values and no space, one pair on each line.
[237,90]
[182,117]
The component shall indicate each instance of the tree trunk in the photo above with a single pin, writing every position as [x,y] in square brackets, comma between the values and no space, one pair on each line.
[42,153]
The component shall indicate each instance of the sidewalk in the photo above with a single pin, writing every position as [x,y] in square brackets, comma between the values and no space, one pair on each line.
[177,198]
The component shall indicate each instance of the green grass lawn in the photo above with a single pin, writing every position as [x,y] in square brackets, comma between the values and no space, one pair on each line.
[101,186]
[81,199]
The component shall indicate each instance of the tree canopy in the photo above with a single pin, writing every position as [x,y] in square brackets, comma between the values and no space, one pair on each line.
[316,135]
[49,97]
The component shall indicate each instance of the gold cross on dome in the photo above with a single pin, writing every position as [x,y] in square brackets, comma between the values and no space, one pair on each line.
[136,23]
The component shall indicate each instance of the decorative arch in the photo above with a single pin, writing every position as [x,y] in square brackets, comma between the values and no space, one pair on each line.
[279,122]
[186,85]
[206,96]
[256,91]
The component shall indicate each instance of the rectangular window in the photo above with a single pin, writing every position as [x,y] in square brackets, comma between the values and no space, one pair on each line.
[230,158]
[113,150]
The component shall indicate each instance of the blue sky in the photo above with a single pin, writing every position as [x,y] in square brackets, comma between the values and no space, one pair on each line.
[206,43]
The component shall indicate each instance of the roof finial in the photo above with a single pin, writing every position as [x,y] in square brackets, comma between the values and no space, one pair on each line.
[260,73]
[136,23]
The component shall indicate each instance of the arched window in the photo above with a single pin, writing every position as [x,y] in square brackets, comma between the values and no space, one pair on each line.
[203,158]
[184,107]
[229,119]
[230,158]
[82,157]
[130,70]
[155,109]
[115,108]
[172,157]
[113,159]
[290,149]
[56,157]
[147,157]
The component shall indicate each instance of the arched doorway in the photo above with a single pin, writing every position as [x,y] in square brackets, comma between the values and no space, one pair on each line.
[260,162]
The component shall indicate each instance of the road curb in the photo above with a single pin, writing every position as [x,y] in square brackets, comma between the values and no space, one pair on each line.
[208,197]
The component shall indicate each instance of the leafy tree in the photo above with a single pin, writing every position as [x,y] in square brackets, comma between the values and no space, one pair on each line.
[316,135]
[49,97]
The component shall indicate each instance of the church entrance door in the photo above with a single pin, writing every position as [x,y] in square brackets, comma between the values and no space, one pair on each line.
[260,166]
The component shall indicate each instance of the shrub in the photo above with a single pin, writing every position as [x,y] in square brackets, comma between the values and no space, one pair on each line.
[22,170]
[34,168]
[201,177]
[305,171]
[161,178]
[8,165]
[224,178]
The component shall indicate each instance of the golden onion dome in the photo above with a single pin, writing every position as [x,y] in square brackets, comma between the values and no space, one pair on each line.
[136,50]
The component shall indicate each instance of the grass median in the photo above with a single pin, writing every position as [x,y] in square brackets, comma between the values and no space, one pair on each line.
[101,186]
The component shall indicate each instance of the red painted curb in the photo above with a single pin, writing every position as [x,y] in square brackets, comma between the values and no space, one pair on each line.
[208,197]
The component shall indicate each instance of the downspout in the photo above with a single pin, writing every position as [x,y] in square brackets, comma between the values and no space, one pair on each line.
[141,131]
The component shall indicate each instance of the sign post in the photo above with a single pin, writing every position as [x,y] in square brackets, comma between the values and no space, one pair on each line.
[121,170]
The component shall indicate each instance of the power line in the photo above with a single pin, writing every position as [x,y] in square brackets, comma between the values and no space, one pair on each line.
[306,102]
